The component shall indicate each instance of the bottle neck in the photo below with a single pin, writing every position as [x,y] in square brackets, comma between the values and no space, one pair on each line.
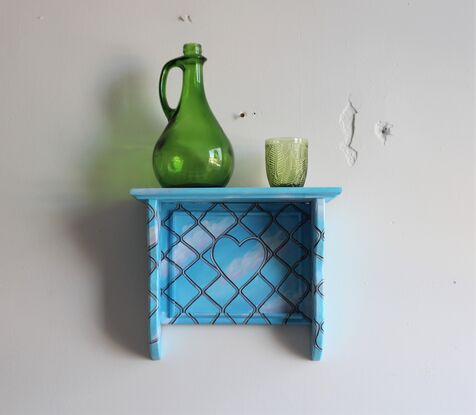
[192,87]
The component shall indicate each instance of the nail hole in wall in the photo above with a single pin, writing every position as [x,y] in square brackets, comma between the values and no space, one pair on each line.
[244,114]
[383,130]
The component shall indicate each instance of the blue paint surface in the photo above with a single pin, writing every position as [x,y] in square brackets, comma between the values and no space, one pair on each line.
[254,194]
[236,256]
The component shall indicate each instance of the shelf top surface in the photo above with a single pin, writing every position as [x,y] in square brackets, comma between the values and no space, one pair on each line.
[237,193]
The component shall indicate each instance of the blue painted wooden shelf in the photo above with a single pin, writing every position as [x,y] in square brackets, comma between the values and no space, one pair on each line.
[236,256]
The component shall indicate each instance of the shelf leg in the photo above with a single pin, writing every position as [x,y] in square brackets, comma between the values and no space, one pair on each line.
[154,255]
[317,332]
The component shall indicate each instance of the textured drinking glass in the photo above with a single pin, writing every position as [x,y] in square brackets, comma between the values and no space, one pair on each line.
[286,161]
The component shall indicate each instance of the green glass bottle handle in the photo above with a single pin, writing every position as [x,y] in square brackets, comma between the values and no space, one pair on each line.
[174,63]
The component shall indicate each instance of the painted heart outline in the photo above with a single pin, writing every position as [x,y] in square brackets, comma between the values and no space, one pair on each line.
[250,262]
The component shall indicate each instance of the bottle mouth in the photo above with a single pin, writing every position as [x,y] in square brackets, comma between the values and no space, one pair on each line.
[192,49]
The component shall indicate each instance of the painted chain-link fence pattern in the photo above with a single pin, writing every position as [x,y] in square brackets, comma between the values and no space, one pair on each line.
[234,263]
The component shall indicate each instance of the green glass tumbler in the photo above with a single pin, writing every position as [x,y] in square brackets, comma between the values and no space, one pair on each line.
[286,161]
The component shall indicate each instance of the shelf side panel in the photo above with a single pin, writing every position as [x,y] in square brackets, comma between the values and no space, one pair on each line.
[153,254]
[317,326]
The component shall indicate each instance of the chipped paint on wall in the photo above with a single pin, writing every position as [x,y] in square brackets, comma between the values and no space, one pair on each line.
[347,125]
[383,130]
[185,18]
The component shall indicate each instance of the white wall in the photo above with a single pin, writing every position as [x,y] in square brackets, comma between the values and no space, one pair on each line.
[79,115]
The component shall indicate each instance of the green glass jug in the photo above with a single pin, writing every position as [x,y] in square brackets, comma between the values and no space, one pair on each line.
[193,150]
